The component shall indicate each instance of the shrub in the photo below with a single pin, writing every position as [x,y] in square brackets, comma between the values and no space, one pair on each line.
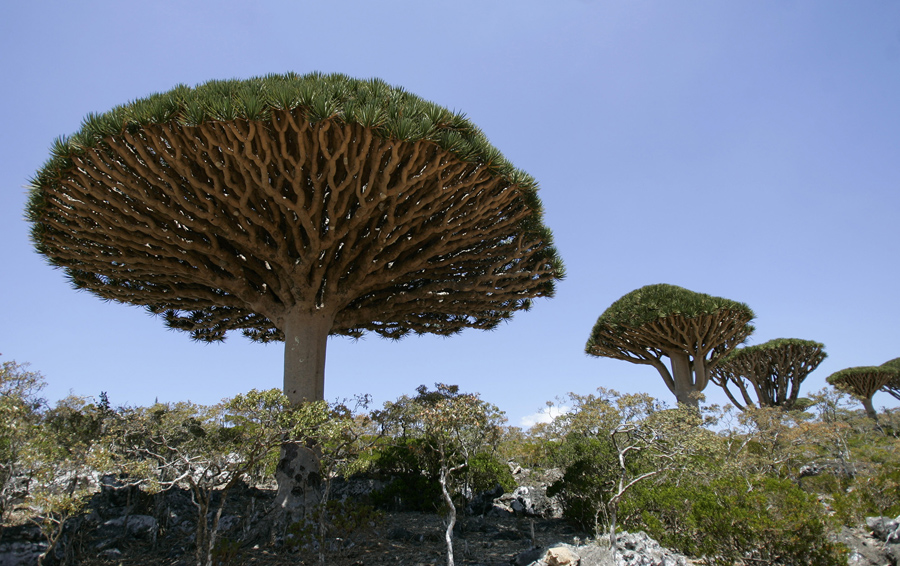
[762,521]
[485,472]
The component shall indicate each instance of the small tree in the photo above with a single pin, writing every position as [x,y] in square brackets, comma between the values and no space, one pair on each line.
[19,418]
[454,426]
[774,370]
[693,330]
[612,443]
[206,449]
[863,382]
[292,208]
[64,460]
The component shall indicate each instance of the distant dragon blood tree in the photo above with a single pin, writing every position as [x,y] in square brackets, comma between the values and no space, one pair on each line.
[774,371]
[863,382]
[661,321]
[893,386]
[292,208]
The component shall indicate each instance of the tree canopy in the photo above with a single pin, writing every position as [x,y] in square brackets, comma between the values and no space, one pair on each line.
[773,369]
[291,208]
[863,382]
[692,329]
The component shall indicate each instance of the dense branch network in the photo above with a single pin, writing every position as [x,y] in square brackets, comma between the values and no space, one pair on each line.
[774,371]
[230,223]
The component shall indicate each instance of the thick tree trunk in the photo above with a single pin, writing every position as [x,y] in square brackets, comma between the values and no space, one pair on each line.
[870,408]
[683,378]
[305,337]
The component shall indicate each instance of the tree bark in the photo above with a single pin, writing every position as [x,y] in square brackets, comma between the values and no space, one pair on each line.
[305,338]
[870,408]
[683,376]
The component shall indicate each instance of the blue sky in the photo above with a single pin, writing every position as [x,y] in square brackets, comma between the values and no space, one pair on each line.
[749,150]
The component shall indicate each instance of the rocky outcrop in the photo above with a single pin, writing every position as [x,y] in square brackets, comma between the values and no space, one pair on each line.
[529,499]
[633,549]
[876,544]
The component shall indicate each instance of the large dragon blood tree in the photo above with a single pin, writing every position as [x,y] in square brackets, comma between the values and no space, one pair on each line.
[773,370]
[292,208]
[864,382]
[693,330]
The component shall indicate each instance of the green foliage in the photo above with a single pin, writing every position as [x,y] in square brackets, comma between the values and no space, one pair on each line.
[485,472]
[412,470]
[453,428]
[588,482]
[440,431]
[762,520]
[862,381]
[653,302]
[61,456]
[610,443]
[776,344]
[19,420]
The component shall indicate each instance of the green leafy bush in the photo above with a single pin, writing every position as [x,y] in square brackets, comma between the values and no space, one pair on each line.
[413,479]
[761,521]
[485,472]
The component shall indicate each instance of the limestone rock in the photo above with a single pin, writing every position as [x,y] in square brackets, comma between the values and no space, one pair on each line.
[561,556]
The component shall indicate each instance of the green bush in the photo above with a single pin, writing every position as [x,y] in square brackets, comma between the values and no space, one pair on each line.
[413,478]
[485,472]
[867,495]
[588,482]
[764,521]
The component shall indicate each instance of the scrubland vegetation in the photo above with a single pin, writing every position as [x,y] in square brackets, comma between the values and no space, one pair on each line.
[765,484]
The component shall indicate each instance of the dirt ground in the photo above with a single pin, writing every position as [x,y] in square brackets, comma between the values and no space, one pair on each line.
[399,539]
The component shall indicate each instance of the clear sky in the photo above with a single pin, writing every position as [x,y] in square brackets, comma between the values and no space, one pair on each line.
[744,149]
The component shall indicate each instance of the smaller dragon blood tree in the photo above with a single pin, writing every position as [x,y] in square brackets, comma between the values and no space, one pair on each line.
[863,382]
[693,330]
[774,371]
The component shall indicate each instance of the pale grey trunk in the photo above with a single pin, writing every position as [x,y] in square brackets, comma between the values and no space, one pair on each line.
[305,338]
[870,408]
[683,378]
[451,520]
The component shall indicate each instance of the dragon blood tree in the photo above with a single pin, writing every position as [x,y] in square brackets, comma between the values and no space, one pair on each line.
[863,382]
[693,330]
[774,371]
[292,208]
[893,386]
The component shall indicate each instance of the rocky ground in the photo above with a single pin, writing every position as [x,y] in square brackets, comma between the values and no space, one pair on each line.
[523,528]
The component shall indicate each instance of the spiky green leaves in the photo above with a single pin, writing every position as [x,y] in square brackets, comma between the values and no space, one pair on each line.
[391,111]
[654,302]
[776,345]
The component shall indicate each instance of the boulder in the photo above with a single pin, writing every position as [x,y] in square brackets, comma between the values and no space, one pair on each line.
[138,526]
[635,549]
[885,529]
